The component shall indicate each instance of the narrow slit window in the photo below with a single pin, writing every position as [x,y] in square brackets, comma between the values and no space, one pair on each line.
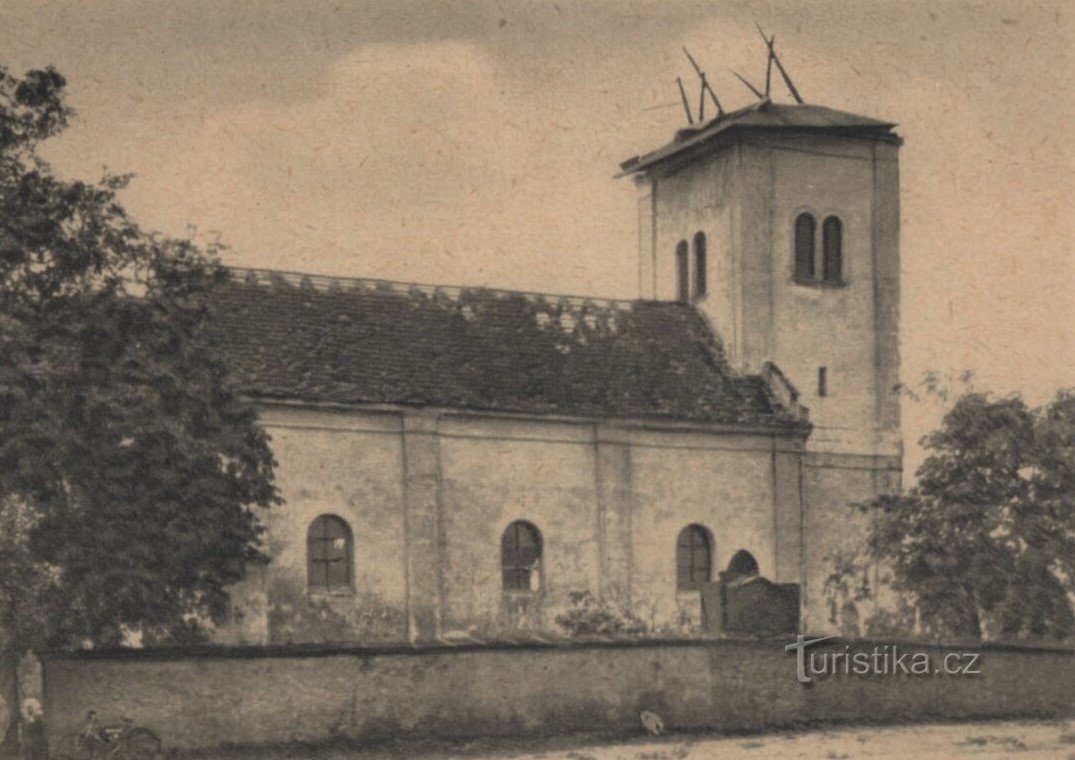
[805,231]
[822,381]
[700,285]
[683,281]
[832,248]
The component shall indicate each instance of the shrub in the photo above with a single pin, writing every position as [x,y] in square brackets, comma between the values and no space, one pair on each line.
[590,615]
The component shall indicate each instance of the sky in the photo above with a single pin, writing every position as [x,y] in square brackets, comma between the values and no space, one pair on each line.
[476,142]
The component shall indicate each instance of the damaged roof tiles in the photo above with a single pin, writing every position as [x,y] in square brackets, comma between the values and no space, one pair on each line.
[355,341]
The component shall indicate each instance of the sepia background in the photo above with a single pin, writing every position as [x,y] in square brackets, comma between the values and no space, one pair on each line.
[476,142]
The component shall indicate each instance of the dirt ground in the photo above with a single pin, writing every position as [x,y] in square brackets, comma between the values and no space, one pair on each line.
[1026,740]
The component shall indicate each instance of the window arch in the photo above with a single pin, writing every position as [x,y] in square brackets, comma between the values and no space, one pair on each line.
[683,281]
[694,558]
[832,249]
[742,565]
[520,557]
[329,555]
[805,231]
[699,265]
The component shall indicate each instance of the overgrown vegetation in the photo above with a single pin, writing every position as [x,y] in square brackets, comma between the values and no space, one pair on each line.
[295,617]
[591,615]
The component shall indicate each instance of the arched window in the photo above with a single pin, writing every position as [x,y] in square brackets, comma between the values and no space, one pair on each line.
[832,250]
[694,558]
[743,565]
[805,229]
[699,265]
[520,557]
[329,555]
[683,281]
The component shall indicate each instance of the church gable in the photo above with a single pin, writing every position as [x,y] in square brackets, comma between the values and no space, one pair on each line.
[357,341]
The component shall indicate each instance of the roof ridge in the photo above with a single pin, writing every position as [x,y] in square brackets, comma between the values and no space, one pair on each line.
[266,276]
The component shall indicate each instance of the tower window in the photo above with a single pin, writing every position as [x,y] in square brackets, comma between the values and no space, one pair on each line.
[822,381]
[694,558]
[520,557]
[699,265]
[805,230]
[832,250]
[329,555]
[683,281]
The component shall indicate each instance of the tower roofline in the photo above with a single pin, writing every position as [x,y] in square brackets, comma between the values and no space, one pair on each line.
[765,115]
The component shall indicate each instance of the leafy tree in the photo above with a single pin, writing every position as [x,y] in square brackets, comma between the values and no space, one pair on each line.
[984,543]
[131,471]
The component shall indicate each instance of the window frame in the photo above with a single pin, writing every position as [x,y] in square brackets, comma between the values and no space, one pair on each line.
[816,277]
[348,556]
[518,565]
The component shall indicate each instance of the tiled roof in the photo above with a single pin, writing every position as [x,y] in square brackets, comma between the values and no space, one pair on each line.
[766,115]
[361,341]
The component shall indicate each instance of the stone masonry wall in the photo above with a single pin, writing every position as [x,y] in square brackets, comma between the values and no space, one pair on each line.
[208,698]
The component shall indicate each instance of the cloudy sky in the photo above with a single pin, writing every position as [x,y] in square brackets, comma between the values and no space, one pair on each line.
[475,142]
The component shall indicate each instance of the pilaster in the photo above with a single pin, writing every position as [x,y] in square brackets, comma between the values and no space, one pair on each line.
[423,523]
[612,473]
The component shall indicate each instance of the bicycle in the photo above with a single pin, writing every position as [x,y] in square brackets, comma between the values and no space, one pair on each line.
[124,741]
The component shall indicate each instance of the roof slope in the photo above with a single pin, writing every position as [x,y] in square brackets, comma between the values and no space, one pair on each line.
[765,115]
[355,341]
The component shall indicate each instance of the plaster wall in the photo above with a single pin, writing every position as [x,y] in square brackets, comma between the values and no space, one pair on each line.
[497,472]
[429,494]
[349,466]
[815,326]
[701,197]
[725,486]
[833,484]
[745,194]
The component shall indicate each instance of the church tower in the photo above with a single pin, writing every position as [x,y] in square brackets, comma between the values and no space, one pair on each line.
[780,224]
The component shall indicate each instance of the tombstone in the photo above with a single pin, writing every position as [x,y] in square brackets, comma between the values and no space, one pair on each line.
[713,607]
[756,605]
[744,602]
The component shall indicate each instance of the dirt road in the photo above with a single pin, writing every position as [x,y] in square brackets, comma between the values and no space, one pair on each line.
[1025,740]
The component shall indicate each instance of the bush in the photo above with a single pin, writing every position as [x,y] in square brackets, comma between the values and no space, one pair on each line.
[297,618]
[590,615]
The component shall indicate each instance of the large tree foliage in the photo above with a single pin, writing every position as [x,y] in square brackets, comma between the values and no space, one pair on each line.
[984,543]
[131,472]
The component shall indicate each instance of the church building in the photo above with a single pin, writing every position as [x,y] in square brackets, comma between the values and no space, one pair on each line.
[459,462]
